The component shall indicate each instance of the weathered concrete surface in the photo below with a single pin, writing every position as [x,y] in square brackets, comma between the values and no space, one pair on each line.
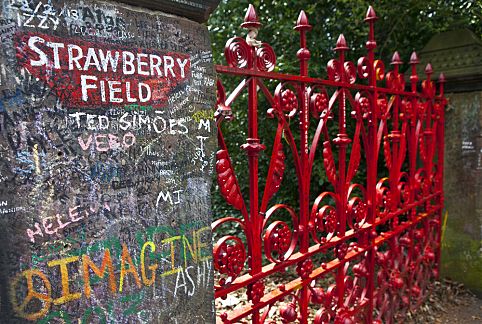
[459,55]
[461,246]
[106,144]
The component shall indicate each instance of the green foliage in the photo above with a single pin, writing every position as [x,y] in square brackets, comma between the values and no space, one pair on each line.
[402,25]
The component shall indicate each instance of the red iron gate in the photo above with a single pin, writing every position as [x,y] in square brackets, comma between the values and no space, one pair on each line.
[380,239]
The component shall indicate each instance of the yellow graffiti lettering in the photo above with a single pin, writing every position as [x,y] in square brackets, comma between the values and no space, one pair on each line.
[174,269]
[64,274]
[153,267]
[126,258]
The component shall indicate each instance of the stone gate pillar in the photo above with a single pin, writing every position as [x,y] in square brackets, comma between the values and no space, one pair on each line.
[459,55]
[106,151]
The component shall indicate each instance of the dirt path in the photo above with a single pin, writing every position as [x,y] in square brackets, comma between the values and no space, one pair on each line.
[469,311]
[449,303]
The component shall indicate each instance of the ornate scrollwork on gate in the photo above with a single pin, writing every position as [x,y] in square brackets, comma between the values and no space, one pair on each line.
[362,243]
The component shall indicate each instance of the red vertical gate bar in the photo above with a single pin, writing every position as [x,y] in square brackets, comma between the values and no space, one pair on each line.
[341,141]
[413,139]
[303,55]
[382,237]
[412,151]
[253,148]
[371,156]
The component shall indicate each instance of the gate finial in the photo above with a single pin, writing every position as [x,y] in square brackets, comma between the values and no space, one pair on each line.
[414,77]
[341,44]
[302,22]
[428,70]
[441,81]
[441,78]
[396,59]
[371,15]
[414,58]
[370,18]
[251,19]
[251,23]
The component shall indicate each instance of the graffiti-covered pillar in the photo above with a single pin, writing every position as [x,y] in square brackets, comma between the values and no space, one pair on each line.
[106,151]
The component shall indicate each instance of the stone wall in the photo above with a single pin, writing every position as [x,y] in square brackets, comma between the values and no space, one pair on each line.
[106,151]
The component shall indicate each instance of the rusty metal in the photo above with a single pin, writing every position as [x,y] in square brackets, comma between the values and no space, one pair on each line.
[379,240]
